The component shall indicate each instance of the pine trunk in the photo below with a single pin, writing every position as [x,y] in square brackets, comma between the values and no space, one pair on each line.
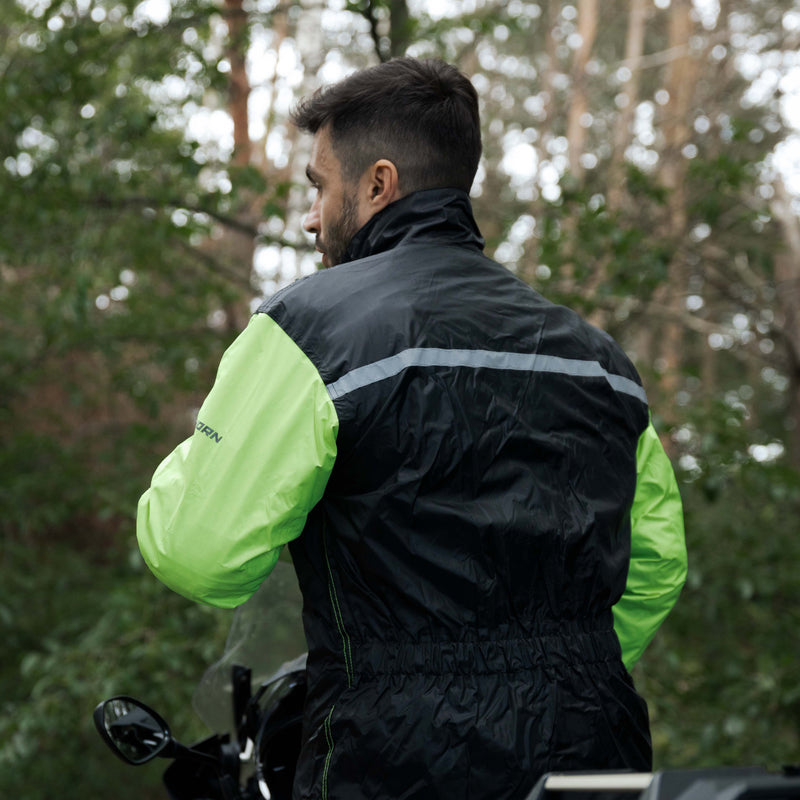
[577,126]
[681,78]
[787,278]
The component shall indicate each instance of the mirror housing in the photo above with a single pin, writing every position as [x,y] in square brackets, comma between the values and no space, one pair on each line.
[135,732]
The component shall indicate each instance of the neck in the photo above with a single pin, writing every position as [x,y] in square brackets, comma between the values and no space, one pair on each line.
[440,215]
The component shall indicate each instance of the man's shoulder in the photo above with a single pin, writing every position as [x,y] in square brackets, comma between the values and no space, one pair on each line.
[436,281]
[293,293]
[326,314]
[313,293]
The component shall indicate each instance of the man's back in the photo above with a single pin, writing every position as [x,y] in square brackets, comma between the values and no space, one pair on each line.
[460,570]
[464,474]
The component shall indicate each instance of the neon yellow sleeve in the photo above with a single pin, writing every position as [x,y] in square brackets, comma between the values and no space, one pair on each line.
[658,563]
[222,505]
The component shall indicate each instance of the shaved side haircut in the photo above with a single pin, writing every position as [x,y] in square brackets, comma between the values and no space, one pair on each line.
[420,114]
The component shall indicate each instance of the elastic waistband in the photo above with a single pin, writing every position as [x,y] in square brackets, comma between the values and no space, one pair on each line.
[485,657]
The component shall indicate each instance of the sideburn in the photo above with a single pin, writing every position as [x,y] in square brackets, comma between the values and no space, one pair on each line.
[341,232]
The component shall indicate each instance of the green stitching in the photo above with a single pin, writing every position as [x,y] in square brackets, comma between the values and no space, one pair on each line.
[337,614]
[329,740]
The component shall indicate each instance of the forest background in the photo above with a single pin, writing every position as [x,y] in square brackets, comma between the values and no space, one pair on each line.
[640,166]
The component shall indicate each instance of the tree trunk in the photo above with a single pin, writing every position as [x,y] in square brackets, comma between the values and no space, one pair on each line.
[634,50]
[680,82]
[577,129]
[238,82]
[236,247]
[787,278]
[549,76]
[280,29]
[400,27]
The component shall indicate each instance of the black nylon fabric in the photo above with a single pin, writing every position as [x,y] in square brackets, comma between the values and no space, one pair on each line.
[458,574]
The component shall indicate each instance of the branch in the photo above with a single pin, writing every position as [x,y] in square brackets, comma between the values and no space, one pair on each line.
[669,55]
[218,267]
[652,310]
[234,224]
[367,10]
[686,318]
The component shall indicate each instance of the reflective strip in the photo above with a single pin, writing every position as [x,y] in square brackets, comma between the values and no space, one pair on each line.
[360,377]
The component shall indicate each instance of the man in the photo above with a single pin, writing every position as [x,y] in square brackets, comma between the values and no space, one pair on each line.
[485,528]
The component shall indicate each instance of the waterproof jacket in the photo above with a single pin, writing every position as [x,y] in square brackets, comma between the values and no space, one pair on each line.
[484,526]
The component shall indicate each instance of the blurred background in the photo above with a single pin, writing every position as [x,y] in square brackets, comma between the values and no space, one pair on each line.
[641,165]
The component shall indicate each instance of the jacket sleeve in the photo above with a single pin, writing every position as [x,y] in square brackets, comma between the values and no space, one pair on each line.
[658,562]
[222,505]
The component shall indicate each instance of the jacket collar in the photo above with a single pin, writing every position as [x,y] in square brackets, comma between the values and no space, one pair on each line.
[443,216]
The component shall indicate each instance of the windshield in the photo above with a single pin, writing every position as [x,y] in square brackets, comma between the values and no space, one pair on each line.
[266,632]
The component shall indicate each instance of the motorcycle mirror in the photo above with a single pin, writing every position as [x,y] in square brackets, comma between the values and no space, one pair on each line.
[131,729]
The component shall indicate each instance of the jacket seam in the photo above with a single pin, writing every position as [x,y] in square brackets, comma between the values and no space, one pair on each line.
[337,615]
[329,756]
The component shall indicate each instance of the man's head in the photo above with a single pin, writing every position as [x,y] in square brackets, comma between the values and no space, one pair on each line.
[382,133]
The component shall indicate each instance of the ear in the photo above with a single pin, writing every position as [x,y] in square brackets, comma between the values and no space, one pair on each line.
[381,186]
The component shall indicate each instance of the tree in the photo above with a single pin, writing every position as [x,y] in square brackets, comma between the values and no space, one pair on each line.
[153,190]
[110,327]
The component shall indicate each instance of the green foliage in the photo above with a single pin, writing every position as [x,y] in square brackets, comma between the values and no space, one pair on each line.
[583,242]
[105,293]
[78,631]
[721,676]
[43,494]
[641,185]
[104,206]
[722,179]
[112,293]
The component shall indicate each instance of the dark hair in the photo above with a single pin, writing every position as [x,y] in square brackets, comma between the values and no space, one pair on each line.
[422,115]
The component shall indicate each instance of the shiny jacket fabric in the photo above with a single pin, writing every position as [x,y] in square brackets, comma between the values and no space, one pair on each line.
[460,570]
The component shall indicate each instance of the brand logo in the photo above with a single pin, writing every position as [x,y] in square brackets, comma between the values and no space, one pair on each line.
[208,431]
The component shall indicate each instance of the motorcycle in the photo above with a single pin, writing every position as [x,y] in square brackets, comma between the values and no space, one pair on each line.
[269,731]
[256,761]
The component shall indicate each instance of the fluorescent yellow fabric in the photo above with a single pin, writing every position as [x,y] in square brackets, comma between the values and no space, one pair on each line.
[222,505]
[658,551]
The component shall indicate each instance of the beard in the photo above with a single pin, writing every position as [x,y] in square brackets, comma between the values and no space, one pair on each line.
[340,232]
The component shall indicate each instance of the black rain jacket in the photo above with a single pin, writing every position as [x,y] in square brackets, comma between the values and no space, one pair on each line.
[460,570]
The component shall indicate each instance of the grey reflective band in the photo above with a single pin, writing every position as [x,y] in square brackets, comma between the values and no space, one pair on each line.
[360,377]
